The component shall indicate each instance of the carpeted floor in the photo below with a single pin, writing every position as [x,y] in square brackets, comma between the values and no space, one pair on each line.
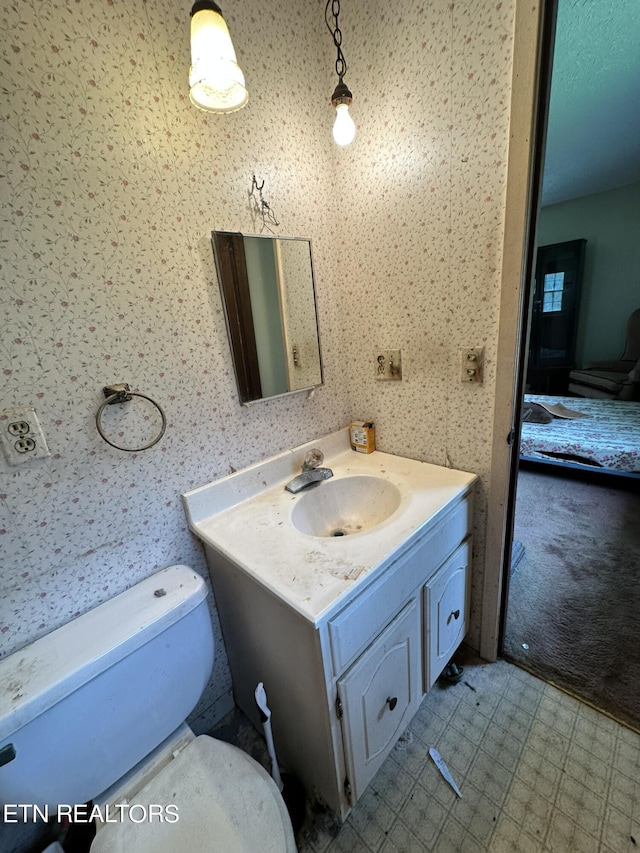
[574,597]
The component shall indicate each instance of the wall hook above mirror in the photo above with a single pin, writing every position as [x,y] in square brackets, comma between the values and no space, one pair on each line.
[261,210]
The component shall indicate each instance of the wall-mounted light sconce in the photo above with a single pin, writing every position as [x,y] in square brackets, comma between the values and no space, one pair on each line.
[344,130]
[216,81]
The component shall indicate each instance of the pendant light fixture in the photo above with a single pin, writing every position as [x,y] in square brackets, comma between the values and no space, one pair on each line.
[216,82]
[344,130]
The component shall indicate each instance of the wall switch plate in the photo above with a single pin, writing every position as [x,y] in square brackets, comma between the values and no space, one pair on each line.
[21,436]
[388,364]
[472,364]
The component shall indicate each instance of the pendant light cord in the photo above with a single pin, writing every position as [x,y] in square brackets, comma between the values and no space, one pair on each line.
[332,10]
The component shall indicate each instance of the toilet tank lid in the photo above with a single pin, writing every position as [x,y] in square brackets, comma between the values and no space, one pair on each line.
[37,676]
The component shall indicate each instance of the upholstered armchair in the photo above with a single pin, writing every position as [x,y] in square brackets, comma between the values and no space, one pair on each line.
[613,380]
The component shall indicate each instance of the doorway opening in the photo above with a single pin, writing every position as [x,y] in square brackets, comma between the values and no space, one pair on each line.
[573,590]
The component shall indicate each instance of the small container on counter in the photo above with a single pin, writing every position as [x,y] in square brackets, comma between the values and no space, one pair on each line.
[362,435]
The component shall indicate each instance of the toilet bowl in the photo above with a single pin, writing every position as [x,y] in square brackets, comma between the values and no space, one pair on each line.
[95,712]
[238,807]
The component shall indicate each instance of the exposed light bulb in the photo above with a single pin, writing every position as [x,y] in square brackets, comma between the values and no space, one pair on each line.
[344,129]
[216,80]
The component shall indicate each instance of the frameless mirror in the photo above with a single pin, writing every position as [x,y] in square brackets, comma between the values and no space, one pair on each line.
[269,299]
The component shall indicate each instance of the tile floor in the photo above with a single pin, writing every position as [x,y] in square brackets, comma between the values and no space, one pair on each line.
[538,771]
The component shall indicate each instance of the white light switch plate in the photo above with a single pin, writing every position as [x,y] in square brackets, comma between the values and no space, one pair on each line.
[472,363]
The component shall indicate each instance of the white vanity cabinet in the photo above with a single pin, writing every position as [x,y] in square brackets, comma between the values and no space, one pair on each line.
[343,687]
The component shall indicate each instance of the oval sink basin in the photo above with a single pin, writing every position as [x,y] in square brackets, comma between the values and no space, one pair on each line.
[345,506]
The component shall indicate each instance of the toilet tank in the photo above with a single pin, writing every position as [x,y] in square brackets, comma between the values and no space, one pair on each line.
[85,703]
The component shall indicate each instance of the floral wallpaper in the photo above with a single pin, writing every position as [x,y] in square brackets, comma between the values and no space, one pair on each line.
[111,182]
[111,185]
[421,233]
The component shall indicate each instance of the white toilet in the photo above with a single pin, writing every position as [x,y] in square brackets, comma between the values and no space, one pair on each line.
[95,711]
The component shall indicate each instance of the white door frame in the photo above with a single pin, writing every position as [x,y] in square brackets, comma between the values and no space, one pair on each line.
[531,65]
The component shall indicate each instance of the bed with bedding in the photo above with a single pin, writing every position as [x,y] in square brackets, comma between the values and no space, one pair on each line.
[593,434]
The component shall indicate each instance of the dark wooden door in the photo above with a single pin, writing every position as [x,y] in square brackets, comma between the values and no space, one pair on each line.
[554,318]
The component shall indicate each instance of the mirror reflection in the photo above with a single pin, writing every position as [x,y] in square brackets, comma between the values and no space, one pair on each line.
[269,299]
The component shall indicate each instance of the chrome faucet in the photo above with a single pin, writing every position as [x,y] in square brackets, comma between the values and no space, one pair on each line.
[308,478]
[311,473]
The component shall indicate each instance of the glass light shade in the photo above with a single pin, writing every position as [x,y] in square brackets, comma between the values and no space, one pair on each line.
[216,81]
[344,129]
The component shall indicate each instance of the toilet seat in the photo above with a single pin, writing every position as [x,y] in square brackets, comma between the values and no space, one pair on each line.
[225,802]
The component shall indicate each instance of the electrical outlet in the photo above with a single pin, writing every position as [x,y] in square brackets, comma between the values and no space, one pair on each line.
[21,436]
[472,362]
[388,364]
[18,428]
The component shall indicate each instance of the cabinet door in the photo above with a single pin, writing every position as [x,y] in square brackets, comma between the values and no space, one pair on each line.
[447,597]
[380,694]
